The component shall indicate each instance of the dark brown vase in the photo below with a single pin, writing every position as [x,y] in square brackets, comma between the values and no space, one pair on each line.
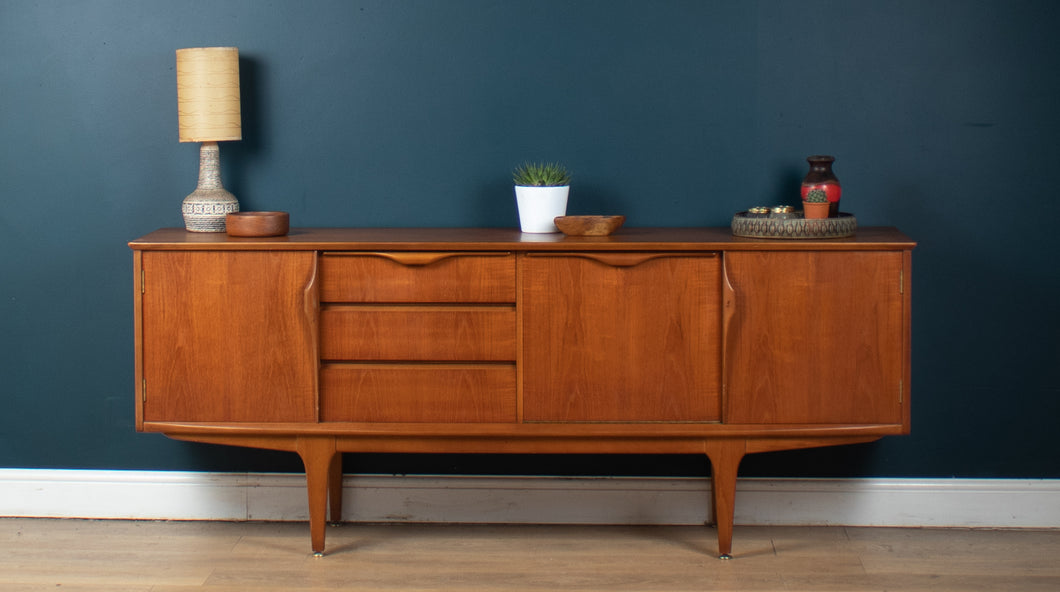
[822,177]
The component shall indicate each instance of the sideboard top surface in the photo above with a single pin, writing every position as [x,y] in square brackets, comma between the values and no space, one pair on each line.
[508,239]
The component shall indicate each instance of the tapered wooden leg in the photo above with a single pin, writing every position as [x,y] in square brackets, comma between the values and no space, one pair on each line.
[335,488]
[725,457]
[317,455]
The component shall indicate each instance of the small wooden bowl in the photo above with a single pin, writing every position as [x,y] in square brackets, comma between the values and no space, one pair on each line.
[589,225]
[257,223]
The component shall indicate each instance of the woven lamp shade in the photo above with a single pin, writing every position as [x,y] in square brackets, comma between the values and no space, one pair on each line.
[208,94]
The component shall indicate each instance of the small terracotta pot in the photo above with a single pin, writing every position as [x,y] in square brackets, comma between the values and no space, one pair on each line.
[815,210]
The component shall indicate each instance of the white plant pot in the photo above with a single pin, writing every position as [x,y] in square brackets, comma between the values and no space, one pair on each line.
[539,206]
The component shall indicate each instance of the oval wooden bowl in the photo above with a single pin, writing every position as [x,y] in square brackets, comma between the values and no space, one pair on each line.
[257,223]
[589,225]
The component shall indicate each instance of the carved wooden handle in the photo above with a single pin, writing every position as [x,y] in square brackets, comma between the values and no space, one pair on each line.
[417,259]
[623,259]
[728,299]
[311,310]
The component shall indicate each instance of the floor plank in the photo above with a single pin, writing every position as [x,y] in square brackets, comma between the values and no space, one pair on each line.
[146,556]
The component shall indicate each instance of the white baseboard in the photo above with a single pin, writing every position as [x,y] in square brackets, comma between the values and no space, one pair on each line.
[163,495]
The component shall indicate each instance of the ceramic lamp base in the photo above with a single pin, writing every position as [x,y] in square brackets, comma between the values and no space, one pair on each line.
[205,208]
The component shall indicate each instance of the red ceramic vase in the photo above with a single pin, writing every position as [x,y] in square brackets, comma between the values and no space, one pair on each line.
[821,176]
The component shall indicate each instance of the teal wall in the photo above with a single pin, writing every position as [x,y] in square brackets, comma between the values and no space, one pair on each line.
[944,116]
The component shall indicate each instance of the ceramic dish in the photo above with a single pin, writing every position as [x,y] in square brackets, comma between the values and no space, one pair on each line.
[589,225]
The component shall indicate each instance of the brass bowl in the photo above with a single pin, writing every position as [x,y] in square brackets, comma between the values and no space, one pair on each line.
[257,223]
[589,225]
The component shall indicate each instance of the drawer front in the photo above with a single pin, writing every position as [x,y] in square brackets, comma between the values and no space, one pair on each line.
[449,333]
[417,277]
[418,393]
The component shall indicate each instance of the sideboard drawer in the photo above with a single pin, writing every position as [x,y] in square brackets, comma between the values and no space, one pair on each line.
[417,277]
[432,333]
[461,393]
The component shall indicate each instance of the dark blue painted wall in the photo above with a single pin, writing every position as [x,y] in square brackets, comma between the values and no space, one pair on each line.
[944,116]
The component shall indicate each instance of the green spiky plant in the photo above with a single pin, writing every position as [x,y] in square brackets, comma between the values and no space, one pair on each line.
[816,196]
[541,174]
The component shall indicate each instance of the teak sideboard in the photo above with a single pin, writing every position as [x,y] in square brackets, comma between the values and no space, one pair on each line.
[663,341]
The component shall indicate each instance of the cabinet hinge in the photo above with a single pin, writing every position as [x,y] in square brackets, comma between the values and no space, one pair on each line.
[143,391]
[901,392]
[901,282]
[143,282]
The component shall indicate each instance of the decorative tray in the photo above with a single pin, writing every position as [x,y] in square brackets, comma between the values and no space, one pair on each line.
[793,226]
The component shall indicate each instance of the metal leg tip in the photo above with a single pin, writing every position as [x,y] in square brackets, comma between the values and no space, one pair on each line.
[725,556]
[318,554]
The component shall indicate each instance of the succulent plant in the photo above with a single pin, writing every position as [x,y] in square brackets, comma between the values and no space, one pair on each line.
[816,196]
[535,174]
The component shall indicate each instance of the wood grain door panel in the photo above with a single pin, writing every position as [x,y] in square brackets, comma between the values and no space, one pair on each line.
[229,336]
[814,337]
[618,337]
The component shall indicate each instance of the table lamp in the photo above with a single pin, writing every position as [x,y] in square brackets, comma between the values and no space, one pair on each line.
[208,112]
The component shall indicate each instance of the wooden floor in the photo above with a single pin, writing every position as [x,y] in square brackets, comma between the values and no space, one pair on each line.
[119,556]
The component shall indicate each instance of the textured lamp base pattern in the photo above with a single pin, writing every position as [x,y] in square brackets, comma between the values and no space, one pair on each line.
[206,214]
[205,208]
